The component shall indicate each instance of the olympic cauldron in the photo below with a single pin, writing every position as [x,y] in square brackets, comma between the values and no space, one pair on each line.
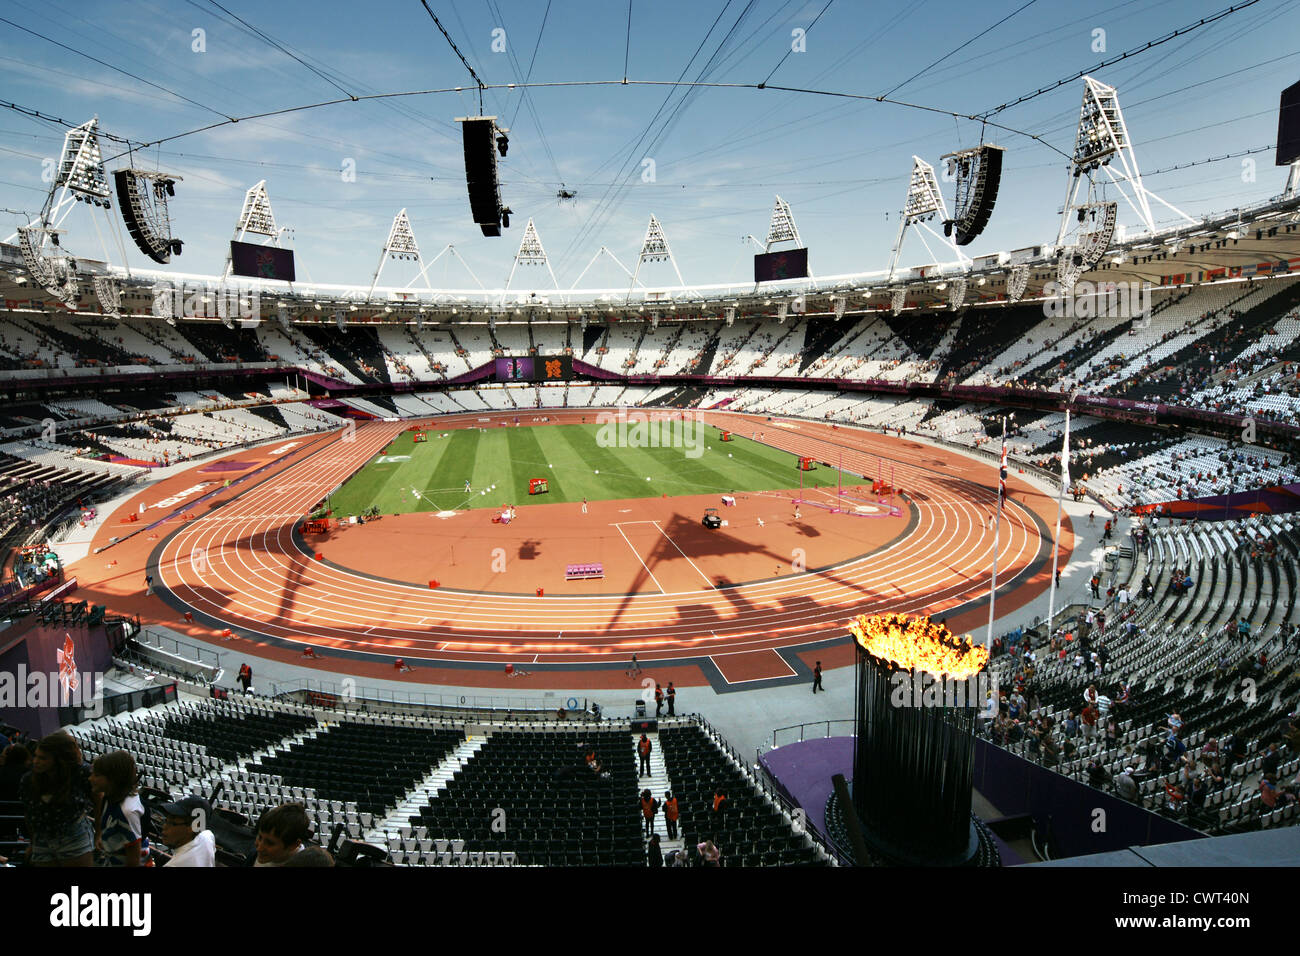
[918,692]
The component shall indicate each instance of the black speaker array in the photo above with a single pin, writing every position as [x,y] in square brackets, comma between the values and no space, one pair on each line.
[136,204]
[983,193]
[480,137]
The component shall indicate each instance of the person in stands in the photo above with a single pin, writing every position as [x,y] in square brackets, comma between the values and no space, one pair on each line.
[654,855]
[649,807]
[120,817]
[671,813]
[57,802]
[709,852]
[643,748]
[281,832]
[720,804]
[1271,795]
[186,831]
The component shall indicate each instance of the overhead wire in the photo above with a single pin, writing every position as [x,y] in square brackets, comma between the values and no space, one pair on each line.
[1150,44]
[807,29]
[601,216]
[279,46]
[650,125]
[116,69]
[962,46]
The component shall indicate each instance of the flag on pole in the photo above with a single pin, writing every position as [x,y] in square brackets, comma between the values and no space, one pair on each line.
[1002,473]
[1065,457]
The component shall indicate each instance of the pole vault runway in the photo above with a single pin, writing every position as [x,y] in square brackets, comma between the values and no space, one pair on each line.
[736,617]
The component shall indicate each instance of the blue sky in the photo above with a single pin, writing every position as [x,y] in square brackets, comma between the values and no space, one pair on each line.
[841,164]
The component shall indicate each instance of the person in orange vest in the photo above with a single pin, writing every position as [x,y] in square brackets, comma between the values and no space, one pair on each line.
[659,700]
[643,749]
[672,699]
[670,814]
[245,676]
[719,803]
[649,807]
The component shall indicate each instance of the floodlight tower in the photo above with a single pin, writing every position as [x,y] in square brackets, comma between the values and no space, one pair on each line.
[924,202]
[79,177]
[256,218]
[655,248]
[401,244]
[531,253]
[1102,142]
[782,227]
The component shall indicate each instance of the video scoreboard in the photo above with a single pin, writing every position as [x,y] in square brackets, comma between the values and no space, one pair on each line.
[538,368]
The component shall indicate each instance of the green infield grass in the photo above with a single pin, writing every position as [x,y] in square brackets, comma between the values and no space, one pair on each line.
[576,461]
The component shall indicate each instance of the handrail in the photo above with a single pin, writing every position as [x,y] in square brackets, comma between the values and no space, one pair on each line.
[197,654]
[788,807]
[348,695]
[803,728]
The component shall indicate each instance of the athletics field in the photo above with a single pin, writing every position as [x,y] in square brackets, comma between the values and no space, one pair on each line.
[576,460]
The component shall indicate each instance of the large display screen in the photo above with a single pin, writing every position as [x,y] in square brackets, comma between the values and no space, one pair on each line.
[534,369]
[1288,126]
[261,262]
[791,264]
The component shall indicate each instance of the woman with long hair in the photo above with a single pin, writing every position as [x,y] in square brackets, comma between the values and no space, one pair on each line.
[57,802]
[119,817]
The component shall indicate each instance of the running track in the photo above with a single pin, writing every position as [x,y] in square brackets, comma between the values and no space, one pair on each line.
[240,568]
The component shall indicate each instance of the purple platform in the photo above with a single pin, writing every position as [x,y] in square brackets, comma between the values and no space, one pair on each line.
[802,773]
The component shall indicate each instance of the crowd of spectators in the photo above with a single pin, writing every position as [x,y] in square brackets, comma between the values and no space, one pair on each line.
[79,813]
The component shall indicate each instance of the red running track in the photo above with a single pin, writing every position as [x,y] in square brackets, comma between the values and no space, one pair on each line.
[239,567]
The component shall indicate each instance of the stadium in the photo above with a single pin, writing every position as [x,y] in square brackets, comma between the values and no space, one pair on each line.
[403,569]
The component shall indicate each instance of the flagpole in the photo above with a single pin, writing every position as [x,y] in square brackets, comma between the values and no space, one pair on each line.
[997,530]
[1060,499]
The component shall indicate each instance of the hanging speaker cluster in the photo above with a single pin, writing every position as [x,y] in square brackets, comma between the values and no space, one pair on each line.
[57,275]
[978,173]
[142,196]
[483,139]
[1094,243]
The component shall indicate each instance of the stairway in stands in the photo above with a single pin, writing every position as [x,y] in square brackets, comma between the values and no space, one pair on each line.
[658,783]
[427,788]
